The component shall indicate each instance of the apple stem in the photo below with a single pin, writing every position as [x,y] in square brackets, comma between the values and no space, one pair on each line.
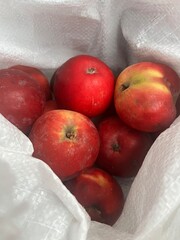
[91,70]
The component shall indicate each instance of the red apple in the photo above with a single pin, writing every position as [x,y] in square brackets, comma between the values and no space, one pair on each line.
[122,148]
[144,98]
[66,140]
[84,84]
[21,99]
[99,193]
[50,105]
[39,76]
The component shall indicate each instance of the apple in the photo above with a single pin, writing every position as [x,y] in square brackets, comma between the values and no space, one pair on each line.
[66,140]
[99,193]
[21,99]
[122,148]
[50,105]
[152,71]
[84,84]
[144,99]
[39,76]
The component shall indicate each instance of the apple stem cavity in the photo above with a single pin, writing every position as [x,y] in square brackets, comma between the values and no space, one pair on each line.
[116,147]
[70,133]
[125,86]
[91,70]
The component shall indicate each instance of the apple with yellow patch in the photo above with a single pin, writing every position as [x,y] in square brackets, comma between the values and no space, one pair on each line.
[99,193]
[66,140]
[145,96]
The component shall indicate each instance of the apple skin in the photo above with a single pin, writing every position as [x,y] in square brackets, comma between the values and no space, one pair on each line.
[66,140]
[143,101]
[50,105]
[122,148]
[152,71]
[84,84]
[99,193]
[38,76]
[21,99]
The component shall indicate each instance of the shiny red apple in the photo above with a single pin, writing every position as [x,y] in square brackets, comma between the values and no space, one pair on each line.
[84,84]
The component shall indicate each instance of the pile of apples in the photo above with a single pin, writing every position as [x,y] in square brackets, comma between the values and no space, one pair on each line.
[89,126]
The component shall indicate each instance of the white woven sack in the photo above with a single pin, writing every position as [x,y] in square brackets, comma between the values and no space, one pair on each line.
[34,204]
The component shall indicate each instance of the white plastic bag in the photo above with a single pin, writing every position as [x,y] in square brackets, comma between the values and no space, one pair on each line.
[34,204]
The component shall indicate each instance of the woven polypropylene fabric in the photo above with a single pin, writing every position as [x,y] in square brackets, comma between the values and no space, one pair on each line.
[34,204]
